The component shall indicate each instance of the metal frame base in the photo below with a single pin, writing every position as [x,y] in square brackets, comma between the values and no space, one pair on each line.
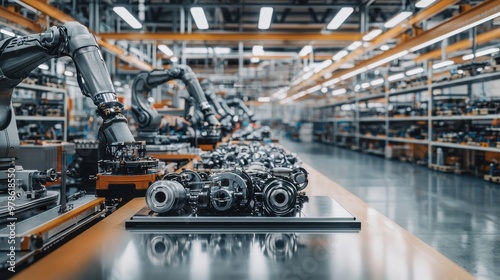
[320,214]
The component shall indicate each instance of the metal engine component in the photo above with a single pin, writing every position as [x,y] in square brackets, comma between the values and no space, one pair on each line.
[127,158]
[234,192]
[279,196]
[166,196]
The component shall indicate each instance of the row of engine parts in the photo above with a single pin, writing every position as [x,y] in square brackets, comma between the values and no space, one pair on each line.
[253,156]
[278,192]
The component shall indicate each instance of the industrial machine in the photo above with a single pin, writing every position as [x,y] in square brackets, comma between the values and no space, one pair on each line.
[148,118]
[23,191]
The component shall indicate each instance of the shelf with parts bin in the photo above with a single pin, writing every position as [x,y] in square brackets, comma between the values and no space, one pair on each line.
[41,112]
[420,119]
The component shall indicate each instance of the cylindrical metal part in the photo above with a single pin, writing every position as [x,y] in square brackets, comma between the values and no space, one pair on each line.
[166,196]
[279,196]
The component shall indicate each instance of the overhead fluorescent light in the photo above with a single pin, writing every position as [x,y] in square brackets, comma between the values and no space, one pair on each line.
[299,95]
[414,71]
[339,18]
[323,65]
[254,60]
[384,47]
[219,50]
[197,50]
[117,83]
[331,82]
[327,75]
[127,17]
[324,90]
[314,88]
[372,34]
[265,17]
[174,59]
[68,73]
[480,53]
[377,82]
[354,45]
[340,55]
[8,33]
[365,85]
[307,75]
[43,66]
[306,69]
[199,17]
[397,19]
[339,91]
[443,64]
[26,6]
[454,32]
[357,87]
[258,50]
[387,59]
[353,73]
[424,3]
[305,50]
[166,50]
[264,99]
[296,82]
[396,77]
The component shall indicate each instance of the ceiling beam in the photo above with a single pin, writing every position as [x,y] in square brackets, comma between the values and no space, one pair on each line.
[113,49]
[464,44]
[20,20]
[338,36]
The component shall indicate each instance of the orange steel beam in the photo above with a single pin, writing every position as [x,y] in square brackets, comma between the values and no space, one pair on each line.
[19,19]
[63,17]
[464,44]
[485,9]
[338,36]
[386,36]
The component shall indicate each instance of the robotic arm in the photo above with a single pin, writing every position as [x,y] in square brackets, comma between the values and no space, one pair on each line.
[19,56]
[147,117]
[237,102]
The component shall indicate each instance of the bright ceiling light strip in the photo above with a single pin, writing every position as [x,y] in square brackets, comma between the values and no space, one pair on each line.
[219,50]
[395,77]
[372,34]
[258,50]
[397,19]
[414,71]
[8,33]
[264,99]
[377,82]
[265,17]
[340,55]
[199,17]
[323,65]
[480,53]
[254,59]
[314,88]
[307,75]
[384,47]
[174,59]
[454,32]
[353,73]
[443,64]
[354,45]
[339,18]
[331,82]
[387,59]
[127,17]
[339,92]
[324,90]
[305,50]
[365,85]
[166,50]
[424,3]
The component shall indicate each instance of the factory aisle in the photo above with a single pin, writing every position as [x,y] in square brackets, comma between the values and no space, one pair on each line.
[457,215]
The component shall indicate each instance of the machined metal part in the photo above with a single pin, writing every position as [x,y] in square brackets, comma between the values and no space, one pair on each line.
[279,196]
[166,196]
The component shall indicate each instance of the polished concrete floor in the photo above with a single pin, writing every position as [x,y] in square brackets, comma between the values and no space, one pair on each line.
[457,215]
